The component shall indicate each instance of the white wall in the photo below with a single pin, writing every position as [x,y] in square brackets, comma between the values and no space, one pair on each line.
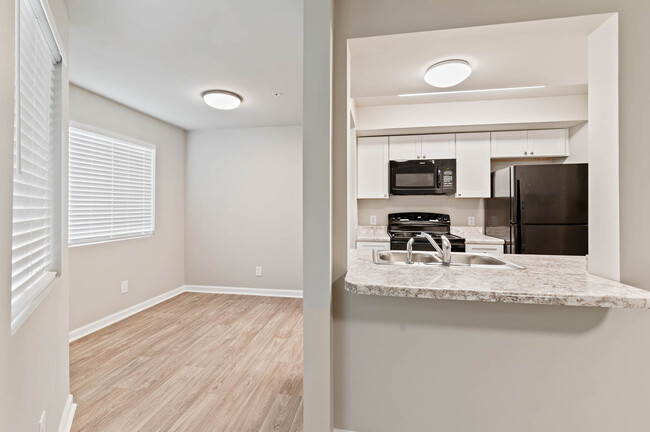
[485,113]
[244,208]
[152,265]
[603,151]
[34,361]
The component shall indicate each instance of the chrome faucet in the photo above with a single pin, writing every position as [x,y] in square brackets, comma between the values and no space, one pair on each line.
[445,251]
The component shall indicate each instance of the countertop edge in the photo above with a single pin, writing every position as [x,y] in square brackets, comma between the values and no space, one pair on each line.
[496,296]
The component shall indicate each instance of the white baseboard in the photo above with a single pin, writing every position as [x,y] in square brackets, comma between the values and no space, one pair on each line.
[124,313]
[68,415]
[266,292]
[342,430]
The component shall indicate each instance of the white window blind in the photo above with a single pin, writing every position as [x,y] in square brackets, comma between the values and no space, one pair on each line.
[34,159]
[111,188]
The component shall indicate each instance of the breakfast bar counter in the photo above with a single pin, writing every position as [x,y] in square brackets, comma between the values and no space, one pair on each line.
[545,279]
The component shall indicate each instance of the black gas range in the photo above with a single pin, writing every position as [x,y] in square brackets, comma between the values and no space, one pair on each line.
[403,226]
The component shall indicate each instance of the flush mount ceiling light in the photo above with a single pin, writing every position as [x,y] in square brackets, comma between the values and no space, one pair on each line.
[448,73]
[222,99]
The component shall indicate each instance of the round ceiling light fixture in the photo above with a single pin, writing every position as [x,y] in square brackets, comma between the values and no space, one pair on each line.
[448,73]
[222,99]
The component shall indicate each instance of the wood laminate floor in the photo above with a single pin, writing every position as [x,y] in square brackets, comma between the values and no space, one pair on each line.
[196,362]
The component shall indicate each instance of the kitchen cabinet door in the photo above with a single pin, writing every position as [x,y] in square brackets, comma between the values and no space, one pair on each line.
[405,147]
[438,146]
[372,167]
[373,245]
[548,142]
[473,165]
[484,248]
[509,144]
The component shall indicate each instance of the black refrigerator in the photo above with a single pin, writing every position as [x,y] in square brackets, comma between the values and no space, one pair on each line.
[540,209]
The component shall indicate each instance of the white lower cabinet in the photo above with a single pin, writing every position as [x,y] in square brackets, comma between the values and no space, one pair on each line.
[484,248]
[373,245]
[473,165]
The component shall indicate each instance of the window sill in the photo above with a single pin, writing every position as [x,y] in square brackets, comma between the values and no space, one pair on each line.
[35,295]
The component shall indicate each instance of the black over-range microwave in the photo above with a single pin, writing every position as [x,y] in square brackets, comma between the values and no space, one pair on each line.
[423,177]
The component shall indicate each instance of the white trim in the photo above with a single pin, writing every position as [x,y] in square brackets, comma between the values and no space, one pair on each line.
[266,292]
[38,295]
[342,430]
[49,16]
[68,415]
[124,313]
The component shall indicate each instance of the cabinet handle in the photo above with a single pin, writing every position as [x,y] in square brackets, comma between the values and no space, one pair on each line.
[424,156]
[532,153]
[525,152]
[385,196]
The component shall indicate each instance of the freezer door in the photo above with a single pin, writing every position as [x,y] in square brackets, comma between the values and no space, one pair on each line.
[552,194]
[554,239]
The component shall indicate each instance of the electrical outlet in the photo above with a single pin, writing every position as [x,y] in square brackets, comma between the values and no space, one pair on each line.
[41,423]
[125,286]
[258,271]
[373,220]
[471,221]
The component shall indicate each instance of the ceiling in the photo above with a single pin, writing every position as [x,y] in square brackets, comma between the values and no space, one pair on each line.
[158,56]
[551,53]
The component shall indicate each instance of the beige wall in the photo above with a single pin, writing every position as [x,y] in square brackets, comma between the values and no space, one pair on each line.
[152,265]
[244,208]
[34,361]
[413,364]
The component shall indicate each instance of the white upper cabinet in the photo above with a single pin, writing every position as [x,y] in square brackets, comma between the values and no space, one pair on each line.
[548,142]
[372,167]
[438,146]
[405,147]
[473,165]
[509,144]
[530,144]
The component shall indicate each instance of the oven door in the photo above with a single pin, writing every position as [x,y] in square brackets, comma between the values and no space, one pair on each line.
[422,177]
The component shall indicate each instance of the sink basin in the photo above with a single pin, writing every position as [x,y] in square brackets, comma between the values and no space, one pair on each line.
[460,259]
[399,257]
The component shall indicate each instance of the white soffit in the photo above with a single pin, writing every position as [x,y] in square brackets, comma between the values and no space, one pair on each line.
[550,53]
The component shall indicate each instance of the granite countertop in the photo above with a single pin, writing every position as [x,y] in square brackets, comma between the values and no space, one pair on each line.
[549,280]
[474,235]
[372,233]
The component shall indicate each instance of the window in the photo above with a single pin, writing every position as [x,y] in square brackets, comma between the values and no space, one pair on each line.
[111,188]
[35,233]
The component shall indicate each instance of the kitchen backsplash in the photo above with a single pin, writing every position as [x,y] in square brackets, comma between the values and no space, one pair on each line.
[459,209]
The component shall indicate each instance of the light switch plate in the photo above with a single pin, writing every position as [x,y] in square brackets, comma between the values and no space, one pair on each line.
[471,221]
[258,271]
[373,220]
[125,286]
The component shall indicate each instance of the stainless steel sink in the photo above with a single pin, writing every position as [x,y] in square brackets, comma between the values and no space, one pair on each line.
[399,258]
[458,259]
